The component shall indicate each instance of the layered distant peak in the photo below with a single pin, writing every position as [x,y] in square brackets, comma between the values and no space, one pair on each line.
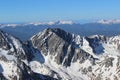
[65,22]
[8,25]
[114,21]
[41,23]
[62,22]
[49,23]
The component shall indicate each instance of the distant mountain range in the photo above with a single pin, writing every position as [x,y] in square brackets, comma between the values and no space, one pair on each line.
[115,21]
[102,27]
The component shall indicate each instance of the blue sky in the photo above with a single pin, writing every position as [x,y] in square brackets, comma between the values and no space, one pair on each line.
[47,10]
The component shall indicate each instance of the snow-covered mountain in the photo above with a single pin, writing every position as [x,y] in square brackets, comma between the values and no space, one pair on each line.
[114,21]
[73,57]
[52,23]
[56,54]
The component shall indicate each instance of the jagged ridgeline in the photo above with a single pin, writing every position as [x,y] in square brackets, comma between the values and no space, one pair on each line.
[56,54]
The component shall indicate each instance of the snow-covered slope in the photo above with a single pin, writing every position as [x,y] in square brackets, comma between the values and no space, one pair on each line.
[70,56]
[14,59]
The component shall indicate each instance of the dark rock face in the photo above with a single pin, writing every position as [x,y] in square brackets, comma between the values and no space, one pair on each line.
[54,42]
[2,77]
[109,62]
[60,44]
[3,42]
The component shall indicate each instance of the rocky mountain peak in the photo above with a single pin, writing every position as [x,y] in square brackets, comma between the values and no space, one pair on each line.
[88,54]
[60,45]
[59,33]
[59,55]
